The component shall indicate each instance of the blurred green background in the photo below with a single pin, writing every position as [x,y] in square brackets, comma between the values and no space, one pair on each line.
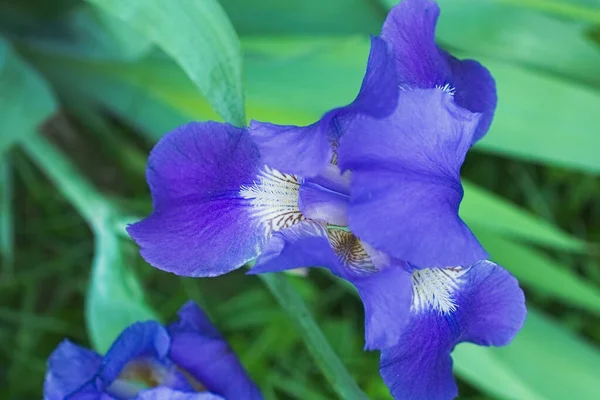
[87,87]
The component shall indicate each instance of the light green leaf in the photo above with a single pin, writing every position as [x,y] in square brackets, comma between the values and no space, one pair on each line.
[329,363]
[532,122]
[492,28]
[115,298]
[25,99]
[544,362]
[540,272]
[483,209]
[198,35]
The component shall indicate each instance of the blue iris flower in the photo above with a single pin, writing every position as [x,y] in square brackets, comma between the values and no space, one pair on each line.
[371,192]
[186,360]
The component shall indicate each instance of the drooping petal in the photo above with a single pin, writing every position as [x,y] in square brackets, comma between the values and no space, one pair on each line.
[482,304]
[326,197]
[71,369]
[307,150]
[170,394]
[212,363]
[201,224]
[384,287]
[406,169]
[420,63]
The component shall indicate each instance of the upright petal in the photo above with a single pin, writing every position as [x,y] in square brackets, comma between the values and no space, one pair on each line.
[212,363]
[70,369]
[410,28]
[406,168]
[307,150]
[384,287]
[482,304]
[201,224]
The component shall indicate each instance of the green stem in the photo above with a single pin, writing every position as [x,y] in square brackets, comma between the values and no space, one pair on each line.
[6,217]
[92,205]
[326,359]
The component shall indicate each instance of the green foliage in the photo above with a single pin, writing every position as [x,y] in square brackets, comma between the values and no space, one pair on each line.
[127,72]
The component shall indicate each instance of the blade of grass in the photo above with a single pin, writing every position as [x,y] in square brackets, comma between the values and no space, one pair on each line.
[313,337]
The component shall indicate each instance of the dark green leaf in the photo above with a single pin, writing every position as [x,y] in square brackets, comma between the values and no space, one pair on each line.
[544,362]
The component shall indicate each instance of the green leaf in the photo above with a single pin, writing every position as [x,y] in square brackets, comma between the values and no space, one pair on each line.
[25,100]
[532,122]
[488,211]
[511,33]
[198,35]
[315,17]
[91,33]
[331,366]
[115,298]
[561,8]
[540,272]
[544,362]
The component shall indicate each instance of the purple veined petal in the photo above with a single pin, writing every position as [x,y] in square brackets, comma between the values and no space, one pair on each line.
[307,150]
[482,304]
[170,394]
[212,363]
[475,90]
[326,197]
[215,202]
[384,287]
[406,169]
[71,370]
[420,63]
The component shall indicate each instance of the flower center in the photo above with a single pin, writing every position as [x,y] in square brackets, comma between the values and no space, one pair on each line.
[350,251]
[274,199]
[436,288]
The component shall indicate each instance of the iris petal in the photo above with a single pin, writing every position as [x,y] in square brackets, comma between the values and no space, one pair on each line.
[71,369]
[488,308]
[169,394]
[212,362]
[420,63]
[406,169]
[203,224]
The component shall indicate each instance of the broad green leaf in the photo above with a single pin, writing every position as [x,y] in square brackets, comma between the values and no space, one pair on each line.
[485,210]
[532,122]
[541,273]
[25,99]
[531,38]
[315,17]
[198,35]
[561,8]
[91,33]
[115,298]
[544,362]
[329,363]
